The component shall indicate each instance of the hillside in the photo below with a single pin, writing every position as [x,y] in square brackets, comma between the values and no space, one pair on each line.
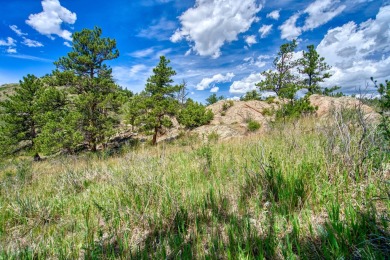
[308,189]
[7,89]
[231,117]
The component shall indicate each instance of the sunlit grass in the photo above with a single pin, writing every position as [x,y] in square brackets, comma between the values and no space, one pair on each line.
[306,189]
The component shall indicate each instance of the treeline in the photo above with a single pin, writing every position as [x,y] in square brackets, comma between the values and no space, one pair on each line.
[79,106]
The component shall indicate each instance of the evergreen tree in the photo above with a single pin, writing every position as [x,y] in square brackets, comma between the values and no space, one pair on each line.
[251,95]
[92,82]
[160,101]
[134,108]
[20,113]
[281,80]
[212,99]
[314,68]
[194,115]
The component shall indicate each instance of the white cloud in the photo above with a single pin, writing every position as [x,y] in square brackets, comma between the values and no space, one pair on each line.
[321,12]
[258,62]
[214,89]
[274,14]
[318,13]
[246,84]
[218,78]
[17,30]
[11,50]
[265,30]
[210,24]
[50,20]
[358,52]
[250,40]
[289,29]
[8,42]
[31,43]
[67,44]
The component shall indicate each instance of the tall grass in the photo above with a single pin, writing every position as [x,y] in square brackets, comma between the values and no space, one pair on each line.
[304,190]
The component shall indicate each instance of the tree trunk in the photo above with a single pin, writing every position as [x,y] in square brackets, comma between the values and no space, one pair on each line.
[37,158]
[93,146]
[154,141]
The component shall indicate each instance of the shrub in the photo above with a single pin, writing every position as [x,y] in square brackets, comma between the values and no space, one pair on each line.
[194,115]
[253,125]
[295,108]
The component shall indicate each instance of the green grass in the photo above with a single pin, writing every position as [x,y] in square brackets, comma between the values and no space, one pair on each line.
[304,190]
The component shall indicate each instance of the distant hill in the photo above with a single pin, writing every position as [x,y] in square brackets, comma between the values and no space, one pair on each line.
[7,89]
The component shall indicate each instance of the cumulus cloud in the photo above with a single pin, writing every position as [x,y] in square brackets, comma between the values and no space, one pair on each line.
[274,15]
[246,84]
[9,42]
[289,29]
[218,78]
[11,50]
[31,43]
[67,44]
[318,13]
[17,30]
[250,40]
[212,23]
[214,89]
[321,12]
[265,30]
[358,52]
[49,21]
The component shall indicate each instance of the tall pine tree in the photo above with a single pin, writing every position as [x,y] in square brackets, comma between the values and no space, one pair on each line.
[96,92]
[314,68]
[160,101]
[281,80]
[20,117]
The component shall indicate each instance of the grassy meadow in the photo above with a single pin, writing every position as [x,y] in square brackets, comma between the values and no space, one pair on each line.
[308,189]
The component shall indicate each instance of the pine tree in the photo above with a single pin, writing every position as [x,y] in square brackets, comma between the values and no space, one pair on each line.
[251,95]
[281,80]
[20,116]
[194,115]
[92,82]
[134,108]
[160,101]
[314,68]
[212,99]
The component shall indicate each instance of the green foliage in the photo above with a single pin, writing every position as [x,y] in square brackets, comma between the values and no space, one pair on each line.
[281,81]
[294,109]
[92,83]
[384,106]
[253,125]
[160,99]
[330,92]
[212,99]
[194,114]
[251,95]
[314,68]
[227,104]
[21,115]
[133,109]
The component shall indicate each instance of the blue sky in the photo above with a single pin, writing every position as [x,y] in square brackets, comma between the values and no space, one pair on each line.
[216,46]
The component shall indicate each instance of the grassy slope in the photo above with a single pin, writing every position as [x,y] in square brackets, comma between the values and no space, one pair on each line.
[300,190]
[7,89]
